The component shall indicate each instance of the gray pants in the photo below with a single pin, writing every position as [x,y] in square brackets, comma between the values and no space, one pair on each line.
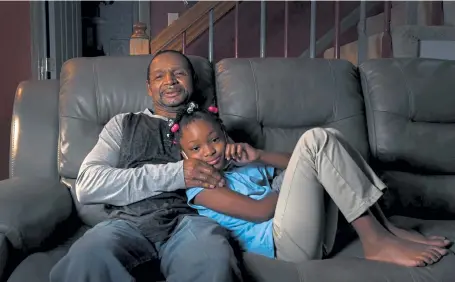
[197,251]
[322,163]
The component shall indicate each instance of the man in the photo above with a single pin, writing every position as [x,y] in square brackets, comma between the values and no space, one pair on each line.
[139,176]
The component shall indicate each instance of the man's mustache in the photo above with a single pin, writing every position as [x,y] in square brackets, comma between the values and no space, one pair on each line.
[172,88]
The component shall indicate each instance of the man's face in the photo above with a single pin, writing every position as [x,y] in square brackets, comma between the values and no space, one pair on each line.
[170,81]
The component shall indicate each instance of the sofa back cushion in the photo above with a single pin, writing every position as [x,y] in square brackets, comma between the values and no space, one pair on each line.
[411,113]
[271,102]
[410,106]
[93,90]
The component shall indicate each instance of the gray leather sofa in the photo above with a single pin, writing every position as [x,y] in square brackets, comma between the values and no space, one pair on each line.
[400,114]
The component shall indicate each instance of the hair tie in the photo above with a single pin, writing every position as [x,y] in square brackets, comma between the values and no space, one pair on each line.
[175,128]
[191,107]
[213,109]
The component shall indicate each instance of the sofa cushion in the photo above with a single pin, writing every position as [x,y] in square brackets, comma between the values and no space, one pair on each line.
[271,102]
[31,210]
[93,90]
[410,110]
[421,196]
[37,266]
[346,266]
[410,106]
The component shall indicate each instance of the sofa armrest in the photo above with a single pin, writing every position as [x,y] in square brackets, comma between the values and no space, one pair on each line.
[3,254]
[31,209]
[34,130]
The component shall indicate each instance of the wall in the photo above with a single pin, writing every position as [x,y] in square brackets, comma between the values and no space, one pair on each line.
[117,27]
[249,28]
[15,61]
[158,14]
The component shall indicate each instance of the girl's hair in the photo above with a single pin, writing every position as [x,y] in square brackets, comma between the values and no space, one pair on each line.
[190,114]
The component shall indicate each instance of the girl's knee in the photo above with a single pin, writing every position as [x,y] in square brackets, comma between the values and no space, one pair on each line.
[315,133]
[313,138]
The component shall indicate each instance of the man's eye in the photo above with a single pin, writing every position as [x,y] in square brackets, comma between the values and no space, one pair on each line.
[159,76]
[179,73]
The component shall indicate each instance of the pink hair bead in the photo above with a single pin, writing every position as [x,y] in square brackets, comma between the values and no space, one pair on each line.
[175,128]
[213,109]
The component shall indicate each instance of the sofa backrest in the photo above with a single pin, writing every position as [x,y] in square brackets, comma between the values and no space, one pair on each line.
[271,102]
[411,113]
[93,90]
[410,107]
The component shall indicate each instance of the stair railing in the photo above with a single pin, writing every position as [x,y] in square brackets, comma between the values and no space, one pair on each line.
[386,47]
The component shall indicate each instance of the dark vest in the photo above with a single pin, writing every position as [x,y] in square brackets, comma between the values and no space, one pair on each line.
[144,141]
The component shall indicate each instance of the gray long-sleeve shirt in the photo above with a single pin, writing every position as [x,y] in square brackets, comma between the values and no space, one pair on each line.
[100,182]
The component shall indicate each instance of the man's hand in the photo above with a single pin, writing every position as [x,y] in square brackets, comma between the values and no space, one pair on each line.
[242,153]
[199,174]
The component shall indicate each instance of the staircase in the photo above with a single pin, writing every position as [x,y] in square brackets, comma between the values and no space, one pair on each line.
[219,29]
[401,13]
[189,27]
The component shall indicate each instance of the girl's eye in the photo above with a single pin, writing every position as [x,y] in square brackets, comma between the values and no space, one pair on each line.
[215,140]
[195,149]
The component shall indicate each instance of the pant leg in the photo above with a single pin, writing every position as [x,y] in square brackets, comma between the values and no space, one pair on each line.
[321,162]
[199,251]
[105,253]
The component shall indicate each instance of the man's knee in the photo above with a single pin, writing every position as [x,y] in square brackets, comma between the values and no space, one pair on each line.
[85,253]
[208,246]
[217,256]
[107,245]
[209,236]
[81,261]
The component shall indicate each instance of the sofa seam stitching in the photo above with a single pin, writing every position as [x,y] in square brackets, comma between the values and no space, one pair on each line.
[334,105]
[409,93]
[366,96]
[95,80]
[256,90]
[12,147]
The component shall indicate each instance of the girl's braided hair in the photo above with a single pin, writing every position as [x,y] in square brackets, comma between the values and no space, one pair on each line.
[188,115]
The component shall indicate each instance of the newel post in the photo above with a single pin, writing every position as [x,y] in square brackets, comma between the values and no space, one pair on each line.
[139,41]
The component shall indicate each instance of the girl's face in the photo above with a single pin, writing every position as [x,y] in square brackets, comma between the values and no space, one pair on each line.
[204,141]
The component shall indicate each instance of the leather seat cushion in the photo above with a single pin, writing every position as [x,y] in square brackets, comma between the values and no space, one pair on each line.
[346,266]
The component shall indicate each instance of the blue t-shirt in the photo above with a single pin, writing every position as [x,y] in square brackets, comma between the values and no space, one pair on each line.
[253,181]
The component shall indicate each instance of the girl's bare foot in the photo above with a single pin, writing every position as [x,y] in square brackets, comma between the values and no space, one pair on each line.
[410,235]
[392,249]
[415,236]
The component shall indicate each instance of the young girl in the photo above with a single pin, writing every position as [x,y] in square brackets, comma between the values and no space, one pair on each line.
[293,222]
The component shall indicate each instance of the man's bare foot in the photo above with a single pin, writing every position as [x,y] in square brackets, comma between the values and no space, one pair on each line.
[388,248]
[415,236]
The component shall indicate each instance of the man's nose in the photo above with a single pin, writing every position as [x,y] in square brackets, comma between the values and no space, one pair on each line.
[170,78]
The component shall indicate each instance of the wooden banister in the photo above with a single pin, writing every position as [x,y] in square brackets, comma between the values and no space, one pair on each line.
[193,22]
[386,37]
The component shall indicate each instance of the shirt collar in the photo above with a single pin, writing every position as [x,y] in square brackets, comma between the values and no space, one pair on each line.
[151,114]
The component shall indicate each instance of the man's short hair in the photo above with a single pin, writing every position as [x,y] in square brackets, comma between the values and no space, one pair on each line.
[190,65]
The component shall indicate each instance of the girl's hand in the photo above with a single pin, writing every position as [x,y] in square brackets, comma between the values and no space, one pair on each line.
[242,153]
